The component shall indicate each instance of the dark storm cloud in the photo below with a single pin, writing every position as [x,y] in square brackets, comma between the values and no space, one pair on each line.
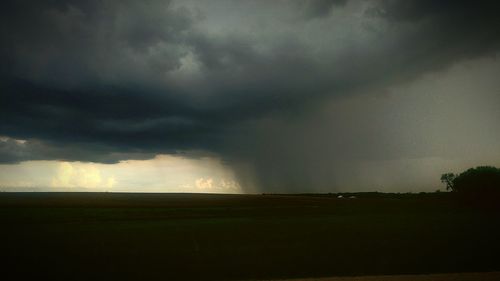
[74,42]
[110,115]
[318,8]
[111,80]
[87,72]
[15,151]
[461,11]
[448,29]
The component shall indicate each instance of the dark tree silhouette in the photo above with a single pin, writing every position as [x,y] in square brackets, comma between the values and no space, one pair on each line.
[480,180]
[448,180]
[478,186]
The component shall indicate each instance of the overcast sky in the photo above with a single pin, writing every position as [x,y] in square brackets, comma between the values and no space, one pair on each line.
[246,96]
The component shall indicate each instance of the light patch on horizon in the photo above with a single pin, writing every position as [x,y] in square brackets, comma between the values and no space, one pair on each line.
[202,183]
[81,175]
[164,173]
[216,186]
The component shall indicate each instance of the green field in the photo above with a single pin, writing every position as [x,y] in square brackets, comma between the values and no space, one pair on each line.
[220,237]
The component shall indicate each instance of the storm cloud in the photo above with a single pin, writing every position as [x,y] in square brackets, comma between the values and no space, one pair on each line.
[285,92]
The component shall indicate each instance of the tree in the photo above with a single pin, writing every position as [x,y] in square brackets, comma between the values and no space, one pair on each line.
[480,180]
[448,180]
[478,187]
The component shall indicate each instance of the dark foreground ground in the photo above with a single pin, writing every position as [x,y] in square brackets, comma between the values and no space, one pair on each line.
[463,276]
[217,237]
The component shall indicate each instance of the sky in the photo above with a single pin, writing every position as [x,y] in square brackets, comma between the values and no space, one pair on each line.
[246,96]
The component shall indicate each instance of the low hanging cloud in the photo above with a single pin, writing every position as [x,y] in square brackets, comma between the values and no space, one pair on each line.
[18,150]
[115,80]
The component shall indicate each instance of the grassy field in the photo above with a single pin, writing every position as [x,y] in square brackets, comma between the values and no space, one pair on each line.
[467,276]
[224,237]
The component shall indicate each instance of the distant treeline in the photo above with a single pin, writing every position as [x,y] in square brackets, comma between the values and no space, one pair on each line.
[373,194]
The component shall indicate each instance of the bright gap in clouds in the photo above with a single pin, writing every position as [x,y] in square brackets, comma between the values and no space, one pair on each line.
[164,173]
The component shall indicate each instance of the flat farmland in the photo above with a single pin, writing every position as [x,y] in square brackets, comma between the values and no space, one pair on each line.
[468,276]
[242,237]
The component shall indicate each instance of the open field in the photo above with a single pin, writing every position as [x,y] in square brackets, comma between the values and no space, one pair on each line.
[245,237]
[483,276]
